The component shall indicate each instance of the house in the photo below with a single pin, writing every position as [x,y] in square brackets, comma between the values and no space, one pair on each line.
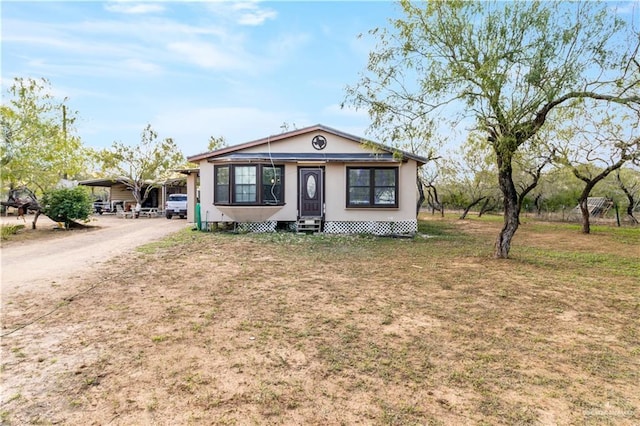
[312,179]
[114,192]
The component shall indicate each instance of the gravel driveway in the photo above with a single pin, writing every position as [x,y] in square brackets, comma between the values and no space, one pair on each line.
[33,265]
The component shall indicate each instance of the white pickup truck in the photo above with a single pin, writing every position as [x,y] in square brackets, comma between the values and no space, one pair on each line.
[176,205]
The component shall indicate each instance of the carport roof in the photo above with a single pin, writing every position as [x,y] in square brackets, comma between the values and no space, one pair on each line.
[100,182]
[109,182]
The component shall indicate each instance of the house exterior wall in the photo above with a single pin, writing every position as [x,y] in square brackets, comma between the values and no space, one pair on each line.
[208,212]
[336,215]
[336,194]
[192,191]
[119,192]
[335,187]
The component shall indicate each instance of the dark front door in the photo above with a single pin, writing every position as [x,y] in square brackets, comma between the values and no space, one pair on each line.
[310,188]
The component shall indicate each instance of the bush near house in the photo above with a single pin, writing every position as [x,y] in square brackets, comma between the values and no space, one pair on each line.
[68,205]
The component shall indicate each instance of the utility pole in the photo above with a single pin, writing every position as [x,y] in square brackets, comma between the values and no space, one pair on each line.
[64,132]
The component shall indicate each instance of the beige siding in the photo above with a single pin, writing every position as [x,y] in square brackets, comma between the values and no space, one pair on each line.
[335,186]
[302,144]
[335,197]
[119,192]
[191,191]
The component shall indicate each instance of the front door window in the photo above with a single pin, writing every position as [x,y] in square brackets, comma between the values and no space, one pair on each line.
[310,192]
[311,186]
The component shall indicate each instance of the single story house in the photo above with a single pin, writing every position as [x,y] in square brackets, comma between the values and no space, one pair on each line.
[312,179]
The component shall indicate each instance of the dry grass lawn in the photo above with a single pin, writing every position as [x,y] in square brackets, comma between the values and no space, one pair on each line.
[213,328]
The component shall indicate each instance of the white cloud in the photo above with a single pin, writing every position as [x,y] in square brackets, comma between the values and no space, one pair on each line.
[145,28]
[628,8]
[191,128]
[248,13]
[66,38]
[110,68]
[138,65]
[286,44]
[134,8]
[243,5]
[206,55]
[256,17]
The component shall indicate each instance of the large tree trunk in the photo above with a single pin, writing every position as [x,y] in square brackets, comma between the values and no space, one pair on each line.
[584,209]
[510,201]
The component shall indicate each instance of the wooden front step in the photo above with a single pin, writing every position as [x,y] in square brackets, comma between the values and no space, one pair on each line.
[310,225]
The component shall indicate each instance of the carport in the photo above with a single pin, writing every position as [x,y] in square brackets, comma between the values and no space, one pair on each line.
[119,193]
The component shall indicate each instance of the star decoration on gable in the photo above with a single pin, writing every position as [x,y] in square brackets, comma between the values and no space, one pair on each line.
[319,142]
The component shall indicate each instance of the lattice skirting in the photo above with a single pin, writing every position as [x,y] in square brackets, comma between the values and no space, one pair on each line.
[269,226]
[375,228]
[331,227]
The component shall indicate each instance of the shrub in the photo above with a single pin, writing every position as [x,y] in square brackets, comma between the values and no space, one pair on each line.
[68,205]
[7,230]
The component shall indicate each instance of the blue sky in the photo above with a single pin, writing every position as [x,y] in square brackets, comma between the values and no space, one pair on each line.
[237,69]
[194,69]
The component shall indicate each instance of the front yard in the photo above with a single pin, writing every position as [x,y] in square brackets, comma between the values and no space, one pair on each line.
[282,328]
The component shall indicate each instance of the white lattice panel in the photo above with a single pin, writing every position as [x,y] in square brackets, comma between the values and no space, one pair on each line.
[375,228]
[334,227]
[269,226]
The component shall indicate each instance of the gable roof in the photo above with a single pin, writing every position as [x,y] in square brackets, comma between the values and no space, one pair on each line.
[232,151]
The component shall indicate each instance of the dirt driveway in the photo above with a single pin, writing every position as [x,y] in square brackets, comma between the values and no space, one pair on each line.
[35,264]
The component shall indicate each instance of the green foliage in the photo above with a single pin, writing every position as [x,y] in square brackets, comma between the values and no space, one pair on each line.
[595,144]
[559,189]
[216,143]
[144,166]
[506,66]
[7,230]
[627,188]
[468,174]
[68,205]
[38,147]
[503,60]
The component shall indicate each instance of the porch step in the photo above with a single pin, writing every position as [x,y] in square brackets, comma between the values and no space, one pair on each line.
[313,224]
